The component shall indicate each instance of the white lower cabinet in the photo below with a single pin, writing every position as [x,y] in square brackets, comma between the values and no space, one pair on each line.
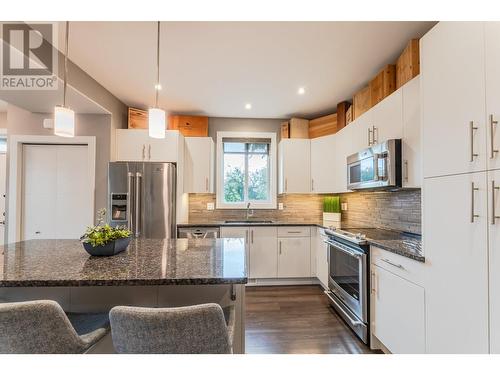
[294,259]
[397,312]
[263,252]
[321,258]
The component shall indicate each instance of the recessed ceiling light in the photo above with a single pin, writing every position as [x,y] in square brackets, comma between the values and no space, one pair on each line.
[301,91]
[248,106]
[158,86]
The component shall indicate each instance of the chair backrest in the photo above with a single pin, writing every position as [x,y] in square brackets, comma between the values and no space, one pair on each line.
[37,327]
[178,330]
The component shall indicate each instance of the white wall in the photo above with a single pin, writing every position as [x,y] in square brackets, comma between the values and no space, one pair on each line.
[3,120]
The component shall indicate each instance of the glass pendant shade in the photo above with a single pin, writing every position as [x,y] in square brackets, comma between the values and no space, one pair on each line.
[64,122]
[156,123]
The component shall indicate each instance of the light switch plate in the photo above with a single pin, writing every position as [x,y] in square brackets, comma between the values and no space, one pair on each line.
[280,206]
[343,206]
[210,206]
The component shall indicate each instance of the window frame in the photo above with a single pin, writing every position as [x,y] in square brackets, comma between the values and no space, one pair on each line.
[219,199]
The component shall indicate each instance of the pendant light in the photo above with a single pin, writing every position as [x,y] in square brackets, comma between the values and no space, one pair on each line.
[64,118]
[156,116]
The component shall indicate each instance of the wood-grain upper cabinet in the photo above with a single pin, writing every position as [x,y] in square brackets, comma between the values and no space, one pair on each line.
[263,252]
[455,227]
[398,312]
[323,151]
[199,158]
[453,99]
[412,145]
[492,64]
[136,145]
[294,166]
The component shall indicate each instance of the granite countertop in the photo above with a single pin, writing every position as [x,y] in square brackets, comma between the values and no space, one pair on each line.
[40,263]
[244,223]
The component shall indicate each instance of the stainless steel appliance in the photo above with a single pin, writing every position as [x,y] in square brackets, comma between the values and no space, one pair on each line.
[377,167]
[198,232]
[348,279]
[141,196]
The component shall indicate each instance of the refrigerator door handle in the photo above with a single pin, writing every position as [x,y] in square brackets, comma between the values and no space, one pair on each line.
[130,200]
[138,205]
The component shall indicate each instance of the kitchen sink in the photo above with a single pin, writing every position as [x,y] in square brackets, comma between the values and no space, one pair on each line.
[248,221]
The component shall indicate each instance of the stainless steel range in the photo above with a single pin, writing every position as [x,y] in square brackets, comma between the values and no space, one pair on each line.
[348,278]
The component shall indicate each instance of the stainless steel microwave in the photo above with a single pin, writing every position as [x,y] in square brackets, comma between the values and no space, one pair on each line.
[376,168]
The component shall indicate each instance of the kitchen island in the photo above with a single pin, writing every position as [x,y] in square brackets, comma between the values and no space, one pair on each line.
[151,272]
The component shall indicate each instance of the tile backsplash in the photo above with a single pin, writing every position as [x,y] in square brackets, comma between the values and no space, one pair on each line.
[394,210]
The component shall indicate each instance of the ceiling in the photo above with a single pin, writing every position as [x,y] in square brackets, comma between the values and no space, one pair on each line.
[215,68]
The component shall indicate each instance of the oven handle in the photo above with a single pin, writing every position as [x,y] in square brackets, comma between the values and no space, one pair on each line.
[353,322]
[351,253]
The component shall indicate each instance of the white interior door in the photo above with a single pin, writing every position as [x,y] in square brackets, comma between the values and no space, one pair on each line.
[57,191]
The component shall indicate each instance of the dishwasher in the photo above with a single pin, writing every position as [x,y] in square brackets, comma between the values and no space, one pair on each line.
[198,232]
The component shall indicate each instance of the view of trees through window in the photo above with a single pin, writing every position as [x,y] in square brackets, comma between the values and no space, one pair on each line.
[246,172]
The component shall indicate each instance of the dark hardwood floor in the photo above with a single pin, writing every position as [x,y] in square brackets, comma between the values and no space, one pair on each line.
[293,320]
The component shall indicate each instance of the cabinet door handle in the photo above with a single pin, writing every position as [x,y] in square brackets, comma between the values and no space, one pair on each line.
[471,135]
[246,236]
[251,236]
[279,247]
[149,152]
[493,123]
[286,184]
[143,152]
[369,137]
[372,281]
[374,140]
[494,189]
[312,184]
[206,183]
[406,170]
[392,264]
[472,205]
[293,231]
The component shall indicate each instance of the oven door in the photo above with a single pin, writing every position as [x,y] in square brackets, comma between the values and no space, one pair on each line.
[347,277]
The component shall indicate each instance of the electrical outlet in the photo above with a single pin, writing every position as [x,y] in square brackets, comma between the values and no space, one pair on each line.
[280,206]
[343,206]
[210,206]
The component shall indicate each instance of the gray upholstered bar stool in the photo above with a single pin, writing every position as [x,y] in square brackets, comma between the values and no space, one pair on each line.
[39,327]
[201,329]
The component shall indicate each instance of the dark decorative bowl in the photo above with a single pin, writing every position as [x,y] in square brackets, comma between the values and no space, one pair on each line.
[111,248]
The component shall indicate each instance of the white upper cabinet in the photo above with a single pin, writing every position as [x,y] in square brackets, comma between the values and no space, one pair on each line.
[136,145]
[455,240]
[344,147]
[323,151]
[199,165]
[412,146]
[362,133]
[295,166]
[387,118]
[492,63]
[453,99]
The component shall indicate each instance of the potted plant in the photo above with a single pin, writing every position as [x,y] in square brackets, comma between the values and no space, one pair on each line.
[331,212]
[104,240]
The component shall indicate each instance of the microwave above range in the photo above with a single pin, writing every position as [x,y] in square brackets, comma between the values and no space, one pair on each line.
[376,168]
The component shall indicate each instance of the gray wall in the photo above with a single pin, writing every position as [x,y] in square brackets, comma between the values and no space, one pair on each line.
[22,122]
[216,124]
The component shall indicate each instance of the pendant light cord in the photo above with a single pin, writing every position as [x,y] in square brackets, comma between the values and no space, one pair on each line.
[66,64]
[157,66]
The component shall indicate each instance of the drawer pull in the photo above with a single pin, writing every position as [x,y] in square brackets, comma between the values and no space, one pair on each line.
[294,231]
[392,264]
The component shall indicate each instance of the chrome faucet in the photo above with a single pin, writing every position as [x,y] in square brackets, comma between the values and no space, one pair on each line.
[249,211]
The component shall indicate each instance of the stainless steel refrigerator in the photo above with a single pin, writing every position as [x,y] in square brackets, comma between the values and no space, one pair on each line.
[141,196]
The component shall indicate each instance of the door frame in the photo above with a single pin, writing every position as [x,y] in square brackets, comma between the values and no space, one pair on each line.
[15,175]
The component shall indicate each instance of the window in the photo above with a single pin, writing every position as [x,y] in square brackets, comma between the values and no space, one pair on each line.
[246,170]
